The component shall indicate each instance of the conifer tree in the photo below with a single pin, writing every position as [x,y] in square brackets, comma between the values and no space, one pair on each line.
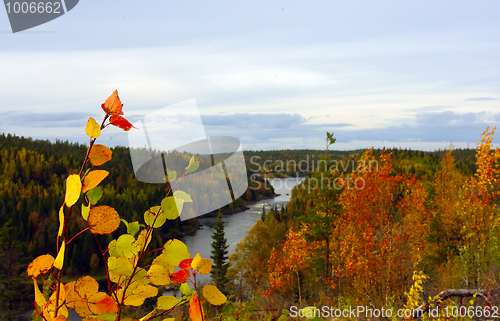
[13,288]
[219,254]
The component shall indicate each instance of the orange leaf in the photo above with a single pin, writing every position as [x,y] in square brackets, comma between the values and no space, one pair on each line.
[113,105]
[195,309]
[93,179]
[86,286]
[121,122]
[71,295]
[180,276]
[40,265]
[201,265]
[103,220]
[101,303]
[99,154]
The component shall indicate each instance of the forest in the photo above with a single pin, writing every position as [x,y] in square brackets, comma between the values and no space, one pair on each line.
[417,230]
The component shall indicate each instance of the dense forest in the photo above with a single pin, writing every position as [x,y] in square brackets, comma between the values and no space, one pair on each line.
[420,211]
[32,187]
[413,230]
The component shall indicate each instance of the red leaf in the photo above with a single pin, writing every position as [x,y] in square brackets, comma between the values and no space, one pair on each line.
[185,264]
[121,122]
[180,276]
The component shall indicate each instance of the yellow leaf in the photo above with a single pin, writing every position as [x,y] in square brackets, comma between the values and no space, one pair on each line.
[138,294]
[59,261]
[39,298]
[40,265]
[158,275]
[103,220]
[61,220]
[93,129]
[201,265]
[73,189]
[214,295]
[149,315]
[167,302]
[62,295]
[141,241]
[93,179]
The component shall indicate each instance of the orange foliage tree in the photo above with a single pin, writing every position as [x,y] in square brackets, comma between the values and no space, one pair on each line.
[286,266]
[380,232]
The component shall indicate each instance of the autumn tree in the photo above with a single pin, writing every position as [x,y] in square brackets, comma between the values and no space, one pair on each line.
[288,263]
[380,233]
[480,250]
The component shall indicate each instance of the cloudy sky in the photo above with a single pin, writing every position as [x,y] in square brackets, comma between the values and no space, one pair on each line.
[274,74]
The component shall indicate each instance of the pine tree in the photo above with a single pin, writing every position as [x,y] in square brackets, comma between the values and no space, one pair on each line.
[263,216]
[219,254]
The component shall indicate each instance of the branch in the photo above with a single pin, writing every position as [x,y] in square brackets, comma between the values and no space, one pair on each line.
[463,293]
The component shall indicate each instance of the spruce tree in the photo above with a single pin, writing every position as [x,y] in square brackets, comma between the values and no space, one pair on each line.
[14,289]
[219,254]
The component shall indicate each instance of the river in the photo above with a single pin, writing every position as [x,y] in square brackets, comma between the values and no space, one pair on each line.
[236,226]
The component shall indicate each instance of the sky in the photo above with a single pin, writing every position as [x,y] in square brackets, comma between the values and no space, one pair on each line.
[274,74]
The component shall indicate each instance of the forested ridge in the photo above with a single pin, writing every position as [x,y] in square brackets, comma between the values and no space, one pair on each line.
[32,178]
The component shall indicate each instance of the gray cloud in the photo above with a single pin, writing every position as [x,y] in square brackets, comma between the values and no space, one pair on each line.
[447,117]
[39,119]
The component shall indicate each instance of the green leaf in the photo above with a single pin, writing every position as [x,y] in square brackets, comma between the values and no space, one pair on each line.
[169,207]
[107,317]
[112,248]
[85,211]
[171,175]
[155,217]
[185,289]
[120,265]
[94,195]
[167,302]
[175,251]
[133,228]
[140,276]
[193,165]
[126,246]
[183,196]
